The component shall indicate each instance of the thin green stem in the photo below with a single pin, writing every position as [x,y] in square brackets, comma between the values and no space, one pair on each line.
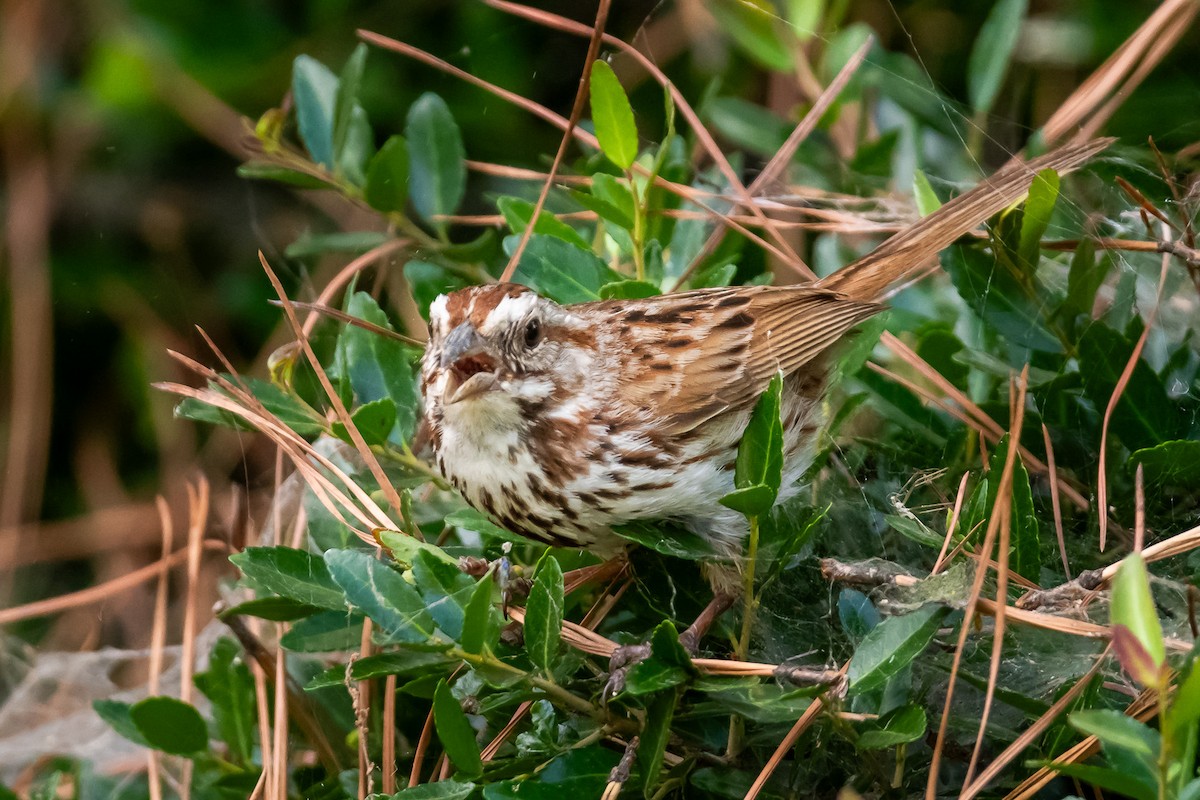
[639,227]
[748,598]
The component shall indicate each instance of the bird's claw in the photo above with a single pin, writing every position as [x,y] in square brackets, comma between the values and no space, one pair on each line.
[618,665]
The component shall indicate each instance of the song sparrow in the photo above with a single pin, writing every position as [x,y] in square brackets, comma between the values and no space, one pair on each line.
[559,422]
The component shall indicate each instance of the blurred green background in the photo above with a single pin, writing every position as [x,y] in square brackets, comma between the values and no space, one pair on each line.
[122,124]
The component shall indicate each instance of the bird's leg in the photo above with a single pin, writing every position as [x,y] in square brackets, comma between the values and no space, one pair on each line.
[625,657]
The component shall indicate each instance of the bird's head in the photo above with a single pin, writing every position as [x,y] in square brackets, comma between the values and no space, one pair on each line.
[501,349]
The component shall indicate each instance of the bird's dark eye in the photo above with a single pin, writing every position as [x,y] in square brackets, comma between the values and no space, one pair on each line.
[533,333]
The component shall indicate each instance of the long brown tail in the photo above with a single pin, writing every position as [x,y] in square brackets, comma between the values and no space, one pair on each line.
[908,252]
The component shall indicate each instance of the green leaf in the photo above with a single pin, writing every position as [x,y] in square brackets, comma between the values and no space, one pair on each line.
[386,188]
[1144,416]
[117,715]
[617,204]
[927,199]
[314,94]
[628,290]
[1043,193]
[992,52]
[1086,276]
[442,790]
[477,621]
[891,645]
[996,296]
[1115,730]
[544,614]
[1024,556]
[667,666]
[577,773]
[1133,607]
[374,421]
[518,212]
[561,271]
[1107,778]
[276,609]
[1175,463]
[292,573]
[346,101]
[472,520]
[382,594]
[898,726]
[379,367]
[438,176]
[759,468]
[444,588]
[656,732]
[613,116]
[227,683]
[358,149]
[455,732]
[324,633]
[752,26]
[428,280]
[170,725]
[266,171]
[1185,705]
[353,242]
[666,538]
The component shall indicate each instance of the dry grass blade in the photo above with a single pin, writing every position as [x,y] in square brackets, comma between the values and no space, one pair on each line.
[335,399]
[321,310]
[1142,708]
[940,561]
[783,247]
[1002,575]
[581,95]
[1003,501]
[1122,382]
[1069,625]
[1027,736]
[778,163]
[1052,472]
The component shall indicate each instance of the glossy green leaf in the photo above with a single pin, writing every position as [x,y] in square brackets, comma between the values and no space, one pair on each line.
[667,666]
[1086,275]
[472,520]
[752,24]
[1132,606]
[442,790]
[1106,778]
[927,199]
[992,52]
[386,188]
[227,683]
[292,573]
[544,614]
[117,715]
[996,296]
[891,645]
[382,594]
[578,773]
[267,171]
[1134,658]
[444,588]
[1175,463]
[561,271]
[1116,730]
[170,725]
[1185,705]
[314,94]
[319,244]
[898,726]
[1144,416]
[437,161]
[666,538]
[804,17]
[358,149]
[325,632]
[276,609]
[628,290]
[656,732]
[614,193]
[373,420]
[477,622]
[1025,541]
[518,212]
[613,116]
[346,101]
[759,468]
[379,367]
[455,732]
[1039,206]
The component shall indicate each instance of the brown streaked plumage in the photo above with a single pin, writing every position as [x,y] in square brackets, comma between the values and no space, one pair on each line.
[561,421]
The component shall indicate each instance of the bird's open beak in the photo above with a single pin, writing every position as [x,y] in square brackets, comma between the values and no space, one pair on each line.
[471,370]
